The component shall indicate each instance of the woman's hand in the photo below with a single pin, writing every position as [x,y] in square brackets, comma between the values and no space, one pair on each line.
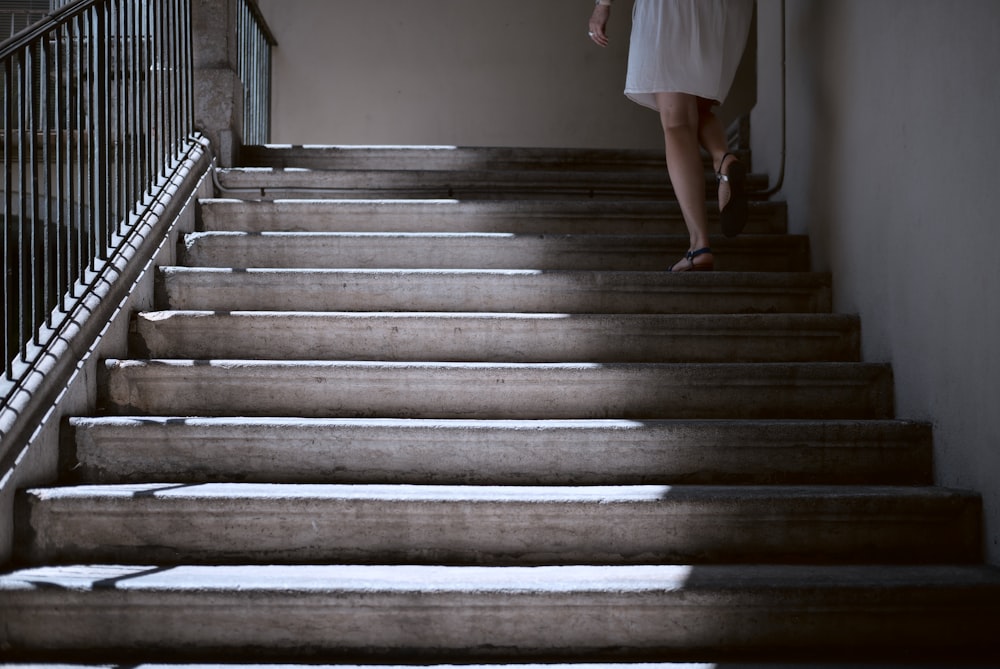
[599,24]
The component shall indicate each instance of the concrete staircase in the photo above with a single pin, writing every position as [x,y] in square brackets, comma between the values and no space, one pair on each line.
[424,405]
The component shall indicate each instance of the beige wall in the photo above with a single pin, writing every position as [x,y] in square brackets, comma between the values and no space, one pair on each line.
[455,72]
[892,170]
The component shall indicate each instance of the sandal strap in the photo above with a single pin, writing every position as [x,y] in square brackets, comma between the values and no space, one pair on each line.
[691,255]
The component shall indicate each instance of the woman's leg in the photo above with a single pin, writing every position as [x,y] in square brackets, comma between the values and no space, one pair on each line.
[681,126]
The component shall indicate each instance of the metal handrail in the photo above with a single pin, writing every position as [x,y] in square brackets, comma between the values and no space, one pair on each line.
[97,109]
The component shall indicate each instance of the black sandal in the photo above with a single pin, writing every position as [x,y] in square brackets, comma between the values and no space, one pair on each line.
[690,256]
[734,215]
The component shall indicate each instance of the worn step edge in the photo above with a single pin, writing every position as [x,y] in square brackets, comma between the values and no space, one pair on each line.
[496,337]
[449,215]
[483,251]
[117,449]
[492,291]
[495,390]
[579,612]
[216,523]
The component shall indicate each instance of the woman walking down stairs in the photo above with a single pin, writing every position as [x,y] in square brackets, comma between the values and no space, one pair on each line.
[429,406]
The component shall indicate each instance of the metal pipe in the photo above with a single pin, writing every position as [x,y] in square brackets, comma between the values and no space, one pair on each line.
[773,190]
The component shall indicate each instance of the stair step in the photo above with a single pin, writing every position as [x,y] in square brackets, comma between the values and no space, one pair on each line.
[368,250]
[496,184]
[250,523]
[525,291]
[367,157]
[583,613]
[478,337]
[513,217]
[443,404]
[514,452]
[494,390]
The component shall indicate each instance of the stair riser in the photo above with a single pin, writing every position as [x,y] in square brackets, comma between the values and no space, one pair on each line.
[515,217]
[456,184]
[496,338]
[332,157]
[593,252]
[521,620]
[411,390]
[516,291]
[268,524]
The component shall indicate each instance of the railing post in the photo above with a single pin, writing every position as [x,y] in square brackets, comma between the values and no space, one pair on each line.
[218,91]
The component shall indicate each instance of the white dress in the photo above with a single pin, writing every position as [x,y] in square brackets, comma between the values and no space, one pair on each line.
[686,46]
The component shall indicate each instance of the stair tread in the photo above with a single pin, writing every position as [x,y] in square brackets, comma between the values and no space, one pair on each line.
[622,276]
[469,613]
[980,583]
[772,320]
[152,492]
[794,427]
[481,236]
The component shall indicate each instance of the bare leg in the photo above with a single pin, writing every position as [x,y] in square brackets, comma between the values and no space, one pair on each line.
[681,126]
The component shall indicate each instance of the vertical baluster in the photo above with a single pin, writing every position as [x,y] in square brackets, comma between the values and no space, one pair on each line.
[117,109]
[161,39]
[157,44]
[243,65]
[170,37]
[87,167]
[103,140]
[87,121]
[58,159]
[135,100]
[69,204]
[75,155]
[148,120]
[9,242]
[45,288]
[188,66]
[26,155]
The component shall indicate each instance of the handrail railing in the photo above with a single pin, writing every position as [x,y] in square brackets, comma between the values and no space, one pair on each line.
[97,109]
[254,63]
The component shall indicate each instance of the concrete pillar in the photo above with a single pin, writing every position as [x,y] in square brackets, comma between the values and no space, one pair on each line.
[218,91]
